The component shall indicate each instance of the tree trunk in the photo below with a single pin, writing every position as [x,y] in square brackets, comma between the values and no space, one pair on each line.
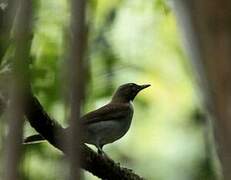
[207,28]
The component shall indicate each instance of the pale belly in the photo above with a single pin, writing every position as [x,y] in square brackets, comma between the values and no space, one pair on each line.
[106,131]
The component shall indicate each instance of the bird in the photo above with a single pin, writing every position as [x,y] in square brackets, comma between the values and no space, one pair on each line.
[108,123]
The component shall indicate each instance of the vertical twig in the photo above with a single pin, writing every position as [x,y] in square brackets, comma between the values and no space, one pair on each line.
[18,88]
[76,72]
[207,27]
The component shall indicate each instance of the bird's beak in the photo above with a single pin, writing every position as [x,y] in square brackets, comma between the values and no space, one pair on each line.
[144,86]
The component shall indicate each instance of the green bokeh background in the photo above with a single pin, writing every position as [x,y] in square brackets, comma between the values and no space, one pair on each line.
[128,41]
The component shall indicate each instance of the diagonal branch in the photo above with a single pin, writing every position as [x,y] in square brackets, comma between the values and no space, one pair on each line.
[53,132]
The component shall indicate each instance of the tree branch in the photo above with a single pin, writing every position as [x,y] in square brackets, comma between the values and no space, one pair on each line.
[53,132]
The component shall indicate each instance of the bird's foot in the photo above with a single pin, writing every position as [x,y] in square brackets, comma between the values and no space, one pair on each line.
[102,153]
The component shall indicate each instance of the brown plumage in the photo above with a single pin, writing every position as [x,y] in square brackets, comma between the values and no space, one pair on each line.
[110,122]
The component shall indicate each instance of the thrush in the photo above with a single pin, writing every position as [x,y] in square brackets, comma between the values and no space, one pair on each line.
[110,122]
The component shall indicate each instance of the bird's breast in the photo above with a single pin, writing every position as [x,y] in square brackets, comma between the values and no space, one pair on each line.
[117,129]
[111,130]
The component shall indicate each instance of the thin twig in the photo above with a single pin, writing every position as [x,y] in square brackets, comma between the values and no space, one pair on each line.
[76,74]
[18,87]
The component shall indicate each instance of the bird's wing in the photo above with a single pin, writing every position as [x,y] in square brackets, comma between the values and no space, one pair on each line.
[107,112]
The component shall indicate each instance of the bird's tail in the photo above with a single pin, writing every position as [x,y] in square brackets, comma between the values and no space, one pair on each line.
[37,138]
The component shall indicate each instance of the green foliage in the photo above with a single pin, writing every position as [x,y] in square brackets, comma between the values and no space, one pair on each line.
[128,41]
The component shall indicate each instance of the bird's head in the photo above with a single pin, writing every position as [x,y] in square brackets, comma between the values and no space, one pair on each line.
[127,92]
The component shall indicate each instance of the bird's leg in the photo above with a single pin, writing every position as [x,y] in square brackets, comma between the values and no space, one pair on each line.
[101,152]
[100,149]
